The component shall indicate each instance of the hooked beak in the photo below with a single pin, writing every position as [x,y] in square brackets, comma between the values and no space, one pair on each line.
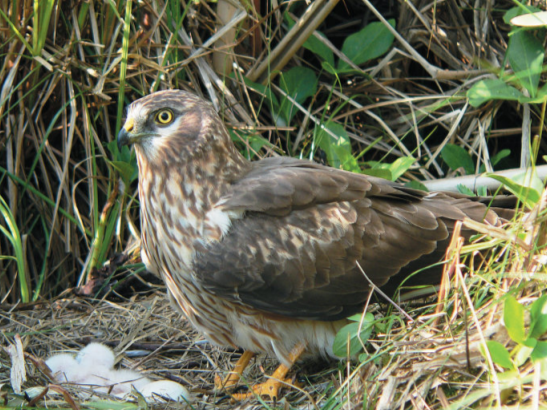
[125,136]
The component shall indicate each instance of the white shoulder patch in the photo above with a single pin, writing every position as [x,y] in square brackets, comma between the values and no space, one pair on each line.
[219,219]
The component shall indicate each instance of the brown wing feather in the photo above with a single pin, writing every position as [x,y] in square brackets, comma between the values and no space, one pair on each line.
[294,253]
[278,185]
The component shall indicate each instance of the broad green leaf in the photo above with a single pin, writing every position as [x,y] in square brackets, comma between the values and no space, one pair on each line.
[400,166]
[417,185]
[486,90]
[526,53]
[541,96]
[513,316]
[369,317]
[529,178]
[319,48]
[456,157]
[499,156]
[465,190]
[362,357]
[315,45]
[329,68]
[257,142]
[499,354]
[338,149]
[496,159]
[127,171]
[299,83]
[395,169]
[369,43]
[482,191]
[378,172]
[526,187]
[355,335]
[523,352]
[538,317]
[539,352]
[506,378]
[542,93]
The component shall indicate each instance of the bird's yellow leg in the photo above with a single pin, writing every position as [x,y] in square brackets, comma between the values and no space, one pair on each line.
[234,376]
[277,380]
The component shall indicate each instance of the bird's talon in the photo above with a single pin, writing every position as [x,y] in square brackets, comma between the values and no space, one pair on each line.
[269,389]
[219,383]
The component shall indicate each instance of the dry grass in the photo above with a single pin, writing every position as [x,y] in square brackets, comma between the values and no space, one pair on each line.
[69,71]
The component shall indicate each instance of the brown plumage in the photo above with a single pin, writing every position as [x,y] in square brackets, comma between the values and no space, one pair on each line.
[262,255]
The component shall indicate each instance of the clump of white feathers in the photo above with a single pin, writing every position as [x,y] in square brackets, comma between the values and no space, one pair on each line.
[93,367]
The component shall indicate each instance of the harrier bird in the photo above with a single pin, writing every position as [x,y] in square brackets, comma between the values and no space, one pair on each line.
[264,255]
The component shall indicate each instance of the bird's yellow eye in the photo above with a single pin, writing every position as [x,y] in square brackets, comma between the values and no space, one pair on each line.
[164,117]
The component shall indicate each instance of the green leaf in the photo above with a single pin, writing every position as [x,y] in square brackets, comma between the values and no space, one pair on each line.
[482,191]
[313,44]
[486,90]
[539,352]
[465,190]
[124,162]
[378,172]
[369,43]
[329,68]
[525,186]
[456,157]
[416,185]
[523,352]
[127,171]
[394,170]
[513,316]
[400,166]
[299,83]
[357,317]
[496,159]
[355,335]
[499,354]
[338,149]
[510,14]
[538,317]
[526,53]
[499,156]
[319,48]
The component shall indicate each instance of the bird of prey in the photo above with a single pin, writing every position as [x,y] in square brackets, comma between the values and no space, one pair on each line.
[264,255]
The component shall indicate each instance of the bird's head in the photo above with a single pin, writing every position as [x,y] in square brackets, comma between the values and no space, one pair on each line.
[179,130]
[169,124]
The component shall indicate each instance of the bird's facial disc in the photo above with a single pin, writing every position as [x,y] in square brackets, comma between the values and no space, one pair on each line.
[142,126]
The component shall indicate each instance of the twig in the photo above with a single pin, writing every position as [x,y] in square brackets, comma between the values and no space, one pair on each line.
[386,297]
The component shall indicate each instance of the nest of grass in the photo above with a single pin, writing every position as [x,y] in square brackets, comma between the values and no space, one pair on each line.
[71,68]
